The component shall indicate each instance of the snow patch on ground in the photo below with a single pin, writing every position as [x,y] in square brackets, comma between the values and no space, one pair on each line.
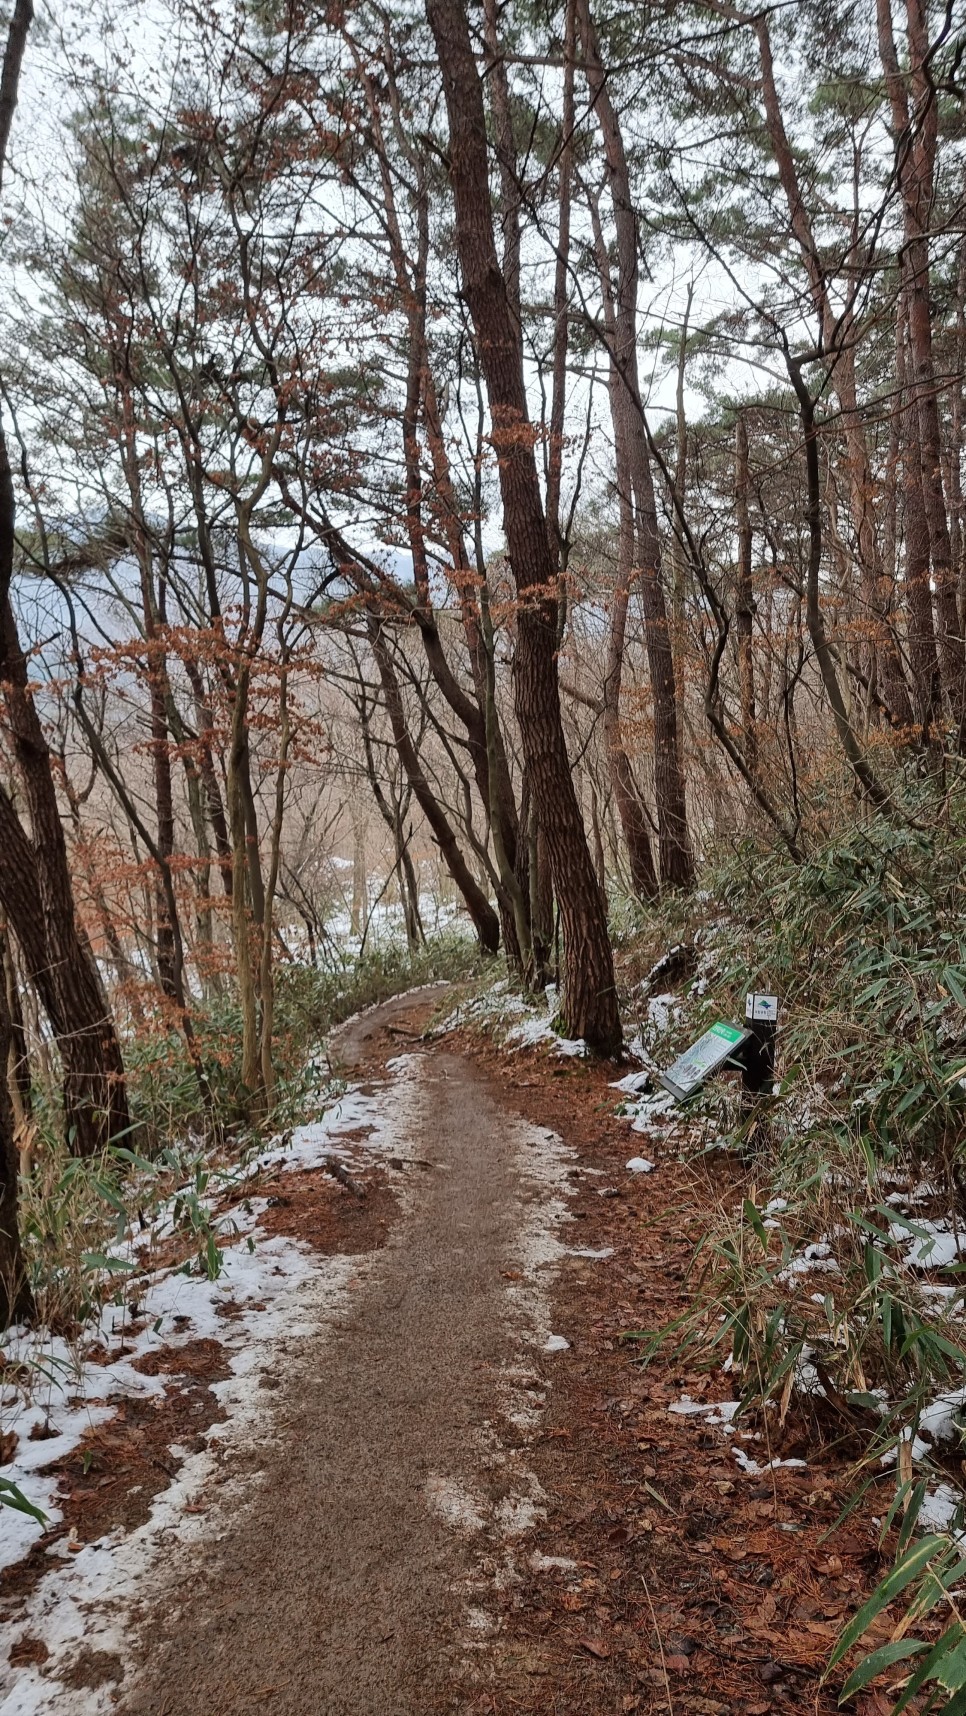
[815,1259]
[941,1418]
[653,1113]
[551,1563]
[662,1011]
[285,1292]
[455,1505]
[523,1026]
[479,1623]
[515,1516]
[754,1470]
[633,1084]
[537,1250]
[544,1161]
[929,1244]
[939,1510]
[530,1032]
[719,1411]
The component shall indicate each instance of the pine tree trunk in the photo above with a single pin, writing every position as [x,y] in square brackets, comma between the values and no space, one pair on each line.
[634,825]
[745,602]
[633,820]
[915,147]
[561,292]
[589,998]
[37,897]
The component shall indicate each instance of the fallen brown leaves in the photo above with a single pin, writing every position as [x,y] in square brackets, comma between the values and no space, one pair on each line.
[707,1590]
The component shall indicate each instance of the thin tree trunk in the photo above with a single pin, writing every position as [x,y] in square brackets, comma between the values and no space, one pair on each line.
[209,776]
[359,909]
[634,824]
[393,815]
[927,688]
[266,966]
[164,810]
[679,559]
[864,774]
[600,863]
[676,858]
[409,888]
[204,917]
[633,820]
[15,1296]
[152,608]
[483,917]
[957,425]
[18,1057]
[745,603]
[241,900]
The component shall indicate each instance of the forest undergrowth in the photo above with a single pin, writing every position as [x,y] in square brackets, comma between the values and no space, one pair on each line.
[834,1291]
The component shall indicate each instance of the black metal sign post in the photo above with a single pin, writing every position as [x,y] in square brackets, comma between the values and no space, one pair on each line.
[758,1051]
[750,1050]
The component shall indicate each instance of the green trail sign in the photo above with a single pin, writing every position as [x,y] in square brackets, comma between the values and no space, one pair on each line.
[702,1059]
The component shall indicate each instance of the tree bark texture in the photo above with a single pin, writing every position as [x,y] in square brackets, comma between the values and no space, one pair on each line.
[745,602]
[915,134]
[676,858]
[589,998]
[923,656]
[37,896]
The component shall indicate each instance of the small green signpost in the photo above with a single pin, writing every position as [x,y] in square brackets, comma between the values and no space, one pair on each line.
[702,1059]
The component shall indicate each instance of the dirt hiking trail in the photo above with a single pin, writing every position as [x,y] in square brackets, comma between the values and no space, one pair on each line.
[340,1589]
[443,1484]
